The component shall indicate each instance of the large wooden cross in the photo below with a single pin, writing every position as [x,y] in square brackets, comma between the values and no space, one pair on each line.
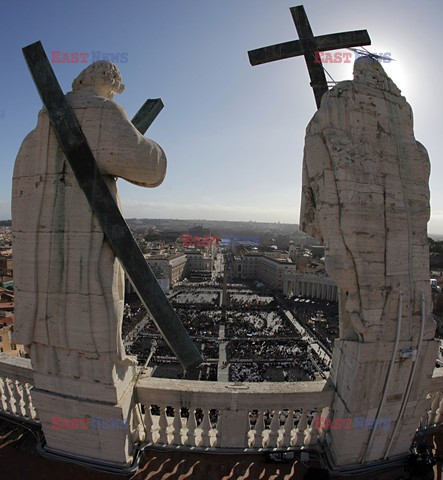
[76,149]
[307,45]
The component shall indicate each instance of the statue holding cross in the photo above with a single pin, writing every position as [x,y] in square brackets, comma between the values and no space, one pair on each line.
[69,284]
[71,250]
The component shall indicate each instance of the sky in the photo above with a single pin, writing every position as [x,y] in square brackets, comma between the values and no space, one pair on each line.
[233,134]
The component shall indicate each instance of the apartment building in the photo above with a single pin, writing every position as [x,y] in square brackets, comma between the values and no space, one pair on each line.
[270,268]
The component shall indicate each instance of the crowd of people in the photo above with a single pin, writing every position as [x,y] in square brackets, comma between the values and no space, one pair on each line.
[297,370]
[290,355]
[320,317]
[264,349]
[258,324]
[239,299]
[199,322]
[197,298]
[261,343]
[246,372]
[133,313]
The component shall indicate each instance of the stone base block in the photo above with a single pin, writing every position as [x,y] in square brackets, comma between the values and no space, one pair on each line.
[360,377]
[91,431]
[110,389]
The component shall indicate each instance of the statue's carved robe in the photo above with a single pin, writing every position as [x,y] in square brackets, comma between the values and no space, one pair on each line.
[366,196]
[69,287]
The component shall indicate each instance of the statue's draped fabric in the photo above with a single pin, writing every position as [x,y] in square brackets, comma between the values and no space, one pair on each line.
[69,286]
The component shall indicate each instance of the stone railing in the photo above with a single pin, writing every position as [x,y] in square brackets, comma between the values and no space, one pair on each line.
[221,415]
[16,380]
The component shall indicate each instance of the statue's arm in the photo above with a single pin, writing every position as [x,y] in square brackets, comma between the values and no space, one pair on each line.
[124,152]
[309,221]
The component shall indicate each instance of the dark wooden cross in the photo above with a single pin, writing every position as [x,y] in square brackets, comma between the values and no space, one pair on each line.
[76,149]
[307,45]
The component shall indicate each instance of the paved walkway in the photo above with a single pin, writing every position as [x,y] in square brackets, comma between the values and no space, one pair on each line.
[223,366]
[315,345]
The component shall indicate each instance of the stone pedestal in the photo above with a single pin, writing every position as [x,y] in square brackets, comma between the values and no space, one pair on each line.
[95,431]
[366,197]
[360,374]
[69,286]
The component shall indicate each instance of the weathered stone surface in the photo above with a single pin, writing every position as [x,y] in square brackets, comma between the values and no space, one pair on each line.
[365,195]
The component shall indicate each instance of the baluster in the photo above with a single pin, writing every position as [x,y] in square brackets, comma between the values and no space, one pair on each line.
[273,430]
[4,405]
[433,411]
[27,406]
[17,391]
[205,427]
[214,425]
[191,426]
[218,428]
[10,400]
[299,439]
[439,412]
[312,435]
[177,426]
[287,430]
[326,415]
[163,426]
[32,411]
[136,425]
[149,424]
[259,429]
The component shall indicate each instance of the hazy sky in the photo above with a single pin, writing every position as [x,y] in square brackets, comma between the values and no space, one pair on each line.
[233,134]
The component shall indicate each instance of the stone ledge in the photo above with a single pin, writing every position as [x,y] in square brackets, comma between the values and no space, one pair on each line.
[18,368]
[218,395]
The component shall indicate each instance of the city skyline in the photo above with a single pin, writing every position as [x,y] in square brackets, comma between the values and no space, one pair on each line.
[233,134]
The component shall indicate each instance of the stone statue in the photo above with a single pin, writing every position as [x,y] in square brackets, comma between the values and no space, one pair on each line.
[69,287]
[365,195]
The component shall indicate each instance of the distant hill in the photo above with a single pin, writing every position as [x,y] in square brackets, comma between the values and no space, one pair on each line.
[5,223]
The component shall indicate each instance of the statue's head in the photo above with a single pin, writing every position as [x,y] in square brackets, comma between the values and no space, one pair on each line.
[368,70]
[102,77]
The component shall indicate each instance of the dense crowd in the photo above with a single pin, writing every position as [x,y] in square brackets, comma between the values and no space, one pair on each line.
[198,322]
[197,297]
[285,354]
[133,313]
[143,345]
[320,317]
[210,349]
[246,372]
[258,324]
[297,370]
[262,344]
[250,301]
[265,349]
